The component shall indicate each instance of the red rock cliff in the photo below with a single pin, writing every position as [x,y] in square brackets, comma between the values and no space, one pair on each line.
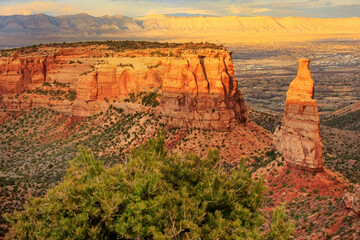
[197,86]
[298,138]
[200,91]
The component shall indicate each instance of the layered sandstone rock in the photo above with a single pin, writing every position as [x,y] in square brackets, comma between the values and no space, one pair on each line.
[298,138]
[197,86]
[17,73]
[202,92]
[352,200]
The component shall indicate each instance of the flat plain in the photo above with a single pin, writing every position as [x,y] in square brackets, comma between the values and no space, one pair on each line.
[264,72]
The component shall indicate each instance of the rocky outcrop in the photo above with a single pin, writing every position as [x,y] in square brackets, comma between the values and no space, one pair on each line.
[352,200]
[197,86]
[17,73]
[202,92]
[298,137]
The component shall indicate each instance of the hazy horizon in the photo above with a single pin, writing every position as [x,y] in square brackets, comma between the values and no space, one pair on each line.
[170,15]
[138,8]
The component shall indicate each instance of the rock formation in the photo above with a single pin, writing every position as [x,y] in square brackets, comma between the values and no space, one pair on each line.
[201,91]
[352,200]
[196,83]
[298,138]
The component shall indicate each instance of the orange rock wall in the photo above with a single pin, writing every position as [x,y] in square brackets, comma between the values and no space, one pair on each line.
[203,93]
[17,73]
[197,86]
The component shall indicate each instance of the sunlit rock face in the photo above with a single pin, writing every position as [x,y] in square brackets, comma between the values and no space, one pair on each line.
[298,138]
[196,86]
[201,92]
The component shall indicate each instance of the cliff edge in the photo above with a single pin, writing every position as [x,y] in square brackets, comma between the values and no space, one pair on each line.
[194,83]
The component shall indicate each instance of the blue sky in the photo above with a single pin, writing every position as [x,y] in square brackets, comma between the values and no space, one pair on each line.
[133,8]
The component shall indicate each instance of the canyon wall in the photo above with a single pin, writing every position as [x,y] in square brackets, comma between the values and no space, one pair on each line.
[298,137]
[202,92]
[196,86]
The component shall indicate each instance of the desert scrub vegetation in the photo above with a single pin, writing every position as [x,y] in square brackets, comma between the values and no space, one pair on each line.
[349,121]
[341,151]
[58,94]
[35,147]
[259,161]
[5,53]
[154,195]
[116,46]
[315,210]
[60,84]
[146,98]
[150,99]
[71,95]
[266,120]
[123,65]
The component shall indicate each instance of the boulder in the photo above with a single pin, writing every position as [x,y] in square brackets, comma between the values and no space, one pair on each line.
[352,200]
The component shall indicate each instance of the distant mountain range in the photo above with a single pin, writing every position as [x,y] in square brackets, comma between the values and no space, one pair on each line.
[41,28]
[73,25]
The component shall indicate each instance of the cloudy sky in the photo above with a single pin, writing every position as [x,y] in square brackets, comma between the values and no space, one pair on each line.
[133,8]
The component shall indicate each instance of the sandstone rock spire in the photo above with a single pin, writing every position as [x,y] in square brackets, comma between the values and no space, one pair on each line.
[298,138]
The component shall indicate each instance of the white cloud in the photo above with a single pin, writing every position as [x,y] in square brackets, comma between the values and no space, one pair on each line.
[181,10]
[247,10]
[145,7]
[133,8]
[38,7]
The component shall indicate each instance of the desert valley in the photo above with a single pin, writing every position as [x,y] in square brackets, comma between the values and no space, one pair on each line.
[289,107]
